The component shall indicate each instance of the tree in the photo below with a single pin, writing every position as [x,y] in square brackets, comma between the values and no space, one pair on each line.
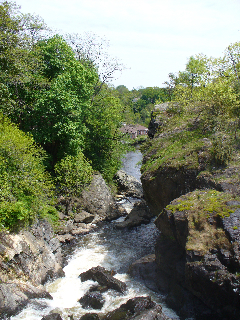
[56,113]
[26,191]
[103,144]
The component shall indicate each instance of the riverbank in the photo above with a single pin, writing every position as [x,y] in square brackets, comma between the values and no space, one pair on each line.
[104,243]
[196,199]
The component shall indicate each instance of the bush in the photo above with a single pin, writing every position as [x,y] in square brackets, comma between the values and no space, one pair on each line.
[222,148]
[73,173]
[26,190]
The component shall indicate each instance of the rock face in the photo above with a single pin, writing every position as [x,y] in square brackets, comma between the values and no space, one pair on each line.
[128,184]
[199,248]
[97,199]
[197,202]
[156,118]
[27,260]
[104,278]
[166,184]
[79,215]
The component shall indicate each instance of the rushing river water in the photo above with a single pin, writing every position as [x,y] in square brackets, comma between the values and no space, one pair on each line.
[109,247]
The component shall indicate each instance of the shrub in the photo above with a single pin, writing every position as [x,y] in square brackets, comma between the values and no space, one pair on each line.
[26,190]
[73,173]
[222,148]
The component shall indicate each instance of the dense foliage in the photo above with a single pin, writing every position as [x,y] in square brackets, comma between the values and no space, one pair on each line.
[26,190]
[138,103]
[53,90]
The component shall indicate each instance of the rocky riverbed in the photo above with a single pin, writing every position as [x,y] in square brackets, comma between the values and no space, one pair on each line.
[34,256]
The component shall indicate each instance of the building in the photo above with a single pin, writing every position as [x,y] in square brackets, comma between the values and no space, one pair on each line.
[134,130]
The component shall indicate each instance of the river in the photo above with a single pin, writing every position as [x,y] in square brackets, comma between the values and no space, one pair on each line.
[108,247]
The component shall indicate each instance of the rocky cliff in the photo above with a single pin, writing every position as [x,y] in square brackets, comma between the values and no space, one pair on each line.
[197,203]
[27,260]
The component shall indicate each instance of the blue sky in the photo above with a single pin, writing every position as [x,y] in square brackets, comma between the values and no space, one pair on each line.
[150,37]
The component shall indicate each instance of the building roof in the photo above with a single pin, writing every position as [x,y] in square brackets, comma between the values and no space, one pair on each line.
[131,128]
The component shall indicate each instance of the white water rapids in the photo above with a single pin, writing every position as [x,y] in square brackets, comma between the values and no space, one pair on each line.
[111,248]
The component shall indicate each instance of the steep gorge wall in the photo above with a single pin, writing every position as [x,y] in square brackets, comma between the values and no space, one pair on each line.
[198,249]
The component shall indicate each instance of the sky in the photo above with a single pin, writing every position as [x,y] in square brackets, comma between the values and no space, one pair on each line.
[151,38]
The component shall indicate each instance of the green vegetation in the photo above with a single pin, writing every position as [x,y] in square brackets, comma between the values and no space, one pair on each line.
[205,203]
[138,103]
[60,118]
[204,210]
[73,174]
[26,188]
[52,88]
[200,126]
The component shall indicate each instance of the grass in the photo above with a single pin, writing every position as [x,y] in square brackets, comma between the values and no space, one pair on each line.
[205,210]
[178,150]
[187,140]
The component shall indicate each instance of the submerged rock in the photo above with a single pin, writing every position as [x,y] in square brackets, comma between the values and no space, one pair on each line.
[90,316]
[52,316]
[104,278]
[139,308]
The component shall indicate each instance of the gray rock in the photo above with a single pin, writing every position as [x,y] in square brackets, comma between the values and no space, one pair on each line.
[65,238]
[33,255]
[128,184]
[61,216]
[92,300]
[52,316]
[97,198]
[65,227]
[104,278]
[140,214]
[83,217]
[14,296]
[139,308]
[145,270]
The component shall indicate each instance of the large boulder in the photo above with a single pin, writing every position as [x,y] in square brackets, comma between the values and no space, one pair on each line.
[83,217]
[104,278]
[140,214]
[128,184]
[92,300]
[96,200]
